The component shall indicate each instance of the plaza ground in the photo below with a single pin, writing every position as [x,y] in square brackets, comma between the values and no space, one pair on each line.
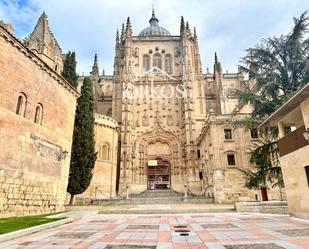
[93,230]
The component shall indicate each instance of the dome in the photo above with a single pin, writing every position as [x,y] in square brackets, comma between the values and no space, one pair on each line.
[154,29]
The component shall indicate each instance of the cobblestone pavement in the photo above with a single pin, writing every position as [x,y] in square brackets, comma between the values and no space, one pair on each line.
[181,231]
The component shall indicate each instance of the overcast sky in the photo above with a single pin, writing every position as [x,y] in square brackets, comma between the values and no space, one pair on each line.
[89,26]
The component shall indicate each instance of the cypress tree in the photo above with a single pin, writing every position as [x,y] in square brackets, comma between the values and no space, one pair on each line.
[83,154]
[69,69]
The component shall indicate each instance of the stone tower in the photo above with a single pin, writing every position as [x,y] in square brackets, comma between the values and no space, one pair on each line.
[158,125]
[42,42]
[174,121]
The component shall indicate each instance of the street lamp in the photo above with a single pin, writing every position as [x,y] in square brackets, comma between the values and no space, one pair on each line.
[306,135]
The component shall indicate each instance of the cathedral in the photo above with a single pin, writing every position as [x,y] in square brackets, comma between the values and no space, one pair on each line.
[161,122]
[174,121]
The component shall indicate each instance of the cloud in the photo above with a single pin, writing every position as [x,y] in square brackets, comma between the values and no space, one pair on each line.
[88,27]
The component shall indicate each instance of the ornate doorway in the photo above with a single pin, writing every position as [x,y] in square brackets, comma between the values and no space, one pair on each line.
[158,174]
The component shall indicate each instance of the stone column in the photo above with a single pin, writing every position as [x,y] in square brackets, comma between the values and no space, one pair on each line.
[281,129]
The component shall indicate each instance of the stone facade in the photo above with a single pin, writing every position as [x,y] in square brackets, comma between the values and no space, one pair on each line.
[223,151]
[158,124]
[272,207]
[162,102]
[105,169]
[37,108]
[292,120]
[159,127]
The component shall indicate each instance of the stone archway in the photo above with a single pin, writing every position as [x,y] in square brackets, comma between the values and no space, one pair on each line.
[158,144]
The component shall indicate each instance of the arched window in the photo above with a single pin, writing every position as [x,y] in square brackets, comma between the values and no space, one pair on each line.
[104,152]
[157,61]
[38,117]
[146,63]
[21,104]
[168,64]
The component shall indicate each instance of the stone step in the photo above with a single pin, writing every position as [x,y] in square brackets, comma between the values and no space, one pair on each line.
[176,208]
[153,200]
[167,211]
[157,193]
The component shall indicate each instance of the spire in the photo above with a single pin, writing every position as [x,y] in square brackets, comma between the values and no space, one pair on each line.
[128,28]
[42,39]
[187,26]
[95,67]
[117,36]
[41,31]
[216,58]
[117,39]
[153,20]
[44,14]
[122,33]
[194,33]
[182,25]
[217,66]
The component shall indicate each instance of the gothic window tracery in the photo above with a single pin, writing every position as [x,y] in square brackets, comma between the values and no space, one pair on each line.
[146,62]
[157,61]
[168,64]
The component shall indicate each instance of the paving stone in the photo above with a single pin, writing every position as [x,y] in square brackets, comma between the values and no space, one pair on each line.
[202,216]
[103,221]
[150,217]
[129,247]
[164,246]
[72,235]
[143,227]
[224,226]
[221,231]
[294,232]
[254,246]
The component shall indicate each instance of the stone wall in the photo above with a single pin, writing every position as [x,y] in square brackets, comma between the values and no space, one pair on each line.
[226,182]
[271,207]
[34,157]
[103,183]
[295,180]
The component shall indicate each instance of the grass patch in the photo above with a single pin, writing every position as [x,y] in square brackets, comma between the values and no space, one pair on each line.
[12,224]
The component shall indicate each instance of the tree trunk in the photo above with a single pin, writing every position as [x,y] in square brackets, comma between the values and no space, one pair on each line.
[264,193]
[71,200]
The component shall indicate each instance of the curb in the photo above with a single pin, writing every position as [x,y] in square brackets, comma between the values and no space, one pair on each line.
[166,211]
[17,234]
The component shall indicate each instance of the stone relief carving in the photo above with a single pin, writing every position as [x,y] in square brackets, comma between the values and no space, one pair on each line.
[163,104]
[145,121]
[137,120]
[169,119]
